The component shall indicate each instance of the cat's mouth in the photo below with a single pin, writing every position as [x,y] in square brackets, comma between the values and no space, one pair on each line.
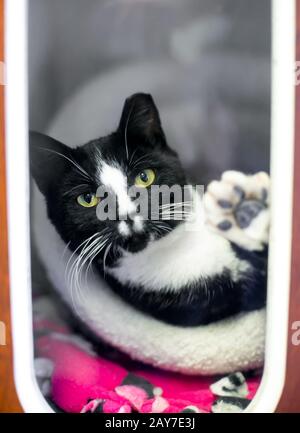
[136,243]
[136,237]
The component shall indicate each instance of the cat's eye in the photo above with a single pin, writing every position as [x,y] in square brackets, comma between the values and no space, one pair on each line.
[88,200]
[145,178]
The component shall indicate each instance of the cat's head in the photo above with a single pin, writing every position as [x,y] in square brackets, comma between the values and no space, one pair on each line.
[136,154]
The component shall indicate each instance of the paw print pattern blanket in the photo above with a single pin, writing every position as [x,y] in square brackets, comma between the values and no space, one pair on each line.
[74,378]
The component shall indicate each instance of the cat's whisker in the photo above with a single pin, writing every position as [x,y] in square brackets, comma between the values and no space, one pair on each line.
[175,205]
[89,251]
[140,160]
[76,250]
[72,280]
[65,250]
[72,272]
[161,231]
[158,233]
[88,254]
[161,226]
[96,250]
[132,156]
[126,128]
[165,229]
[80,246]
[76,187]
[174,218]
[173,215]
[81,170]
[76,263]
[75,285]
[105,256]
[174,212]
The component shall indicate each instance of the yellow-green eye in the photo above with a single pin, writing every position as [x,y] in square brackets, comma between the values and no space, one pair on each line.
[145,178]
[88,200]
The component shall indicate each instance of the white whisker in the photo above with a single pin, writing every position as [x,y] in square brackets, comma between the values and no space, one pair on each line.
[132,156]
[95,251]
[140,160]
[75,187]
[105,255]
[126,127]
[82,171]
[73,272]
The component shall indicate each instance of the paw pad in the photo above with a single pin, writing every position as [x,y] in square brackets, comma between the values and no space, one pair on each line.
[238,207]
[246,211]
[225,225]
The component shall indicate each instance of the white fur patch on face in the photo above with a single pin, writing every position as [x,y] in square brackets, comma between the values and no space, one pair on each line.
[113,177]
[124,229]
[138,225]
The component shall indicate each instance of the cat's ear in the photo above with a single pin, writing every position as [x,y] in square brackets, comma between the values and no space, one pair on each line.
[48,159]
[140,119]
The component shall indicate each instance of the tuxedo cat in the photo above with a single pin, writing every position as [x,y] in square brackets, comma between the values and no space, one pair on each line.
[198,261]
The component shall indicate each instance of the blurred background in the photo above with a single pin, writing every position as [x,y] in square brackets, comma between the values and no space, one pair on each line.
[206,63]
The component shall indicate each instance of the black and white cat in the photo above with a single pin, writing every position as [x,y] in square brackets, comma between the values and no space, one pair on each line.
[185,271]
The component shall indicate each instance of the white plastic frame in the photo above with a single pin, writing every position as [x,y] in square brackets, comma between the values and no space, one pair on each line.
[282,153]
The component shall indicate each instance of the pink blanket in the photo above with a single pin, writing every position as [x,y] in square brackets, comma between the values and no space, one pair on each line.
[78,380]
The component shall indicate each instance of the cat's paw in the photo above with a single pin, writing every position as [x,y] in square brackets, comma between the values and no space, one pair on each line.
[238,208]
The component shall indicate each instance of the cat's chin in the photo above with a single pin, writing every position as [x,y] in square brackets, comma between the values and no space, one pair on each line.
[136,243]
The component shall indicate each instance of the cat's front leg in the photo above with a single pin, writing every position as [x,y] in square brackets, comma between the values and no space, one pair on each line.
[238,208]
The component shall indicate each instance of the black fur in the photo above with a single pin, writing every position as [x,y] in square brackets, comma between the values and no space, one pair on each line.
[200,303]
[54,168]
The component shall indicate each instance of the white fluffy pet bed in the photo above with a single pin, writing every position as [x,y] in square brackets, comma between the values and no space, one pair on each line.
[226,346]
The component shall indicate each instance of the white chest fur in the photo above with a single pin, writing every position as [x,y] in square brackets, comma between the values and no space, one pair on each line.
[191,252]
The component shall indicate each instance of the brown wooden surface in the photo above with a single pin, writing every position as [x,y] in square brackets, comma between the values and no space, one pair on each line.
[8,399]
[290,400]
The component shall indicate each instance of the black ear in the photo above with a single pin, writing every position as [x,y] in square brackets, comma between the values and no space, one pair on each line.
[48,160]
[140,119]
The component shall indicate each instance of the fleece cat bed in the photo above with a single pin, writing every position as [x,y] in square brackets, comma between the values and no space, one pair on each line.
[74,378]
[229,345]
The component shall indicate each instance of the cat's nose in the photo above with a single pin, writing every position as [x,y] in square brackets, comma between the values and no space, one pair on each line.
[132,225]
[137,223]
